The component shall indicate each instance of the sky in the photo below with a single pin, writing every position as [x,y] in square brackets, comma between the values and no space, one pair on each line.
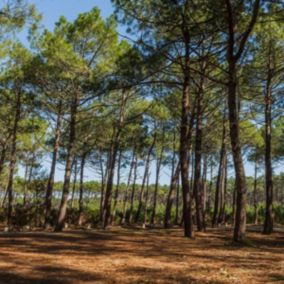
[51,10]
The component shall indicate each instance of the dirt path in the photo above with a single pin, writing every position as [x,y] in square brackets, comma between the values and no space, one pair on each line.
[139,256]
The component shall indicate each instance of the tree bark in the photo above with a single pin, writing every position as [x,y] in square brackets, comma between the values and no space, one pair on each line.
[170,198]
[219,182]
[124,206]
[255,201]
[116,194]
[234,54]
[81,195]
[13,157]
[50,183]
[130,216]
[158,169]
[68,167]
[184,134]
[268,222]
[197,185]
[75,164]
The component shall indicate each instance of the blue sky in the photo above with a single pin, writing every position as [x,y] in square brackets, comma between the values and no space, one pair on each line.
[53,9]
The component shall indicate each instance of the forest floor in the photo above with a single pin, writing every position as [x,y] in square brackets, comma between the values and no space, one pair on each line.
[135,255]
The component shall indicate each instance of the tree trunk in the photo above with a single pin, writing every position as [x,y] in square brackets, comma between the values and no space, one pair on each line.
[13,158]
[184,134]
[68,168]
[176,222]
[81,201]
[234,54]
[124,206]
[141,195]
[146,201]
[204,189]
[158,169]
[170,198]
[197,185]
[130,216]
[268,222]
[74,182]
[112,157]
[255,203]
[50,183]
[103,183]
[25,184]
[116,194]
[220,177]
[241,194]
[221,216]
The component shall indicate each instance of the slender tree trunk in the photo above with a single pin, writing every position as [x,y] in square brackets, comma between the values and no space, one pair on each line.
[158,169]
[2,158]
[68,168]
[209,193]
[25,185]
[221,216]
[255,203]
[170,198]
[204,189]
[103,183]
[197,185]
[146,202]
[13,158]
[74,182]
[116,194]
[124,206]
[176,222]
[113,154]
[219,182]
[141,195]
[268,221]
[130,216]
[50,183]
[184,134]
[81,195]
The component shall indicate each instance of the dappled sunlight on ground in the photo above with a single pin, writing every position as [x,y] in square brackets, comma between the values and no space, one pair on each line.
[140,256]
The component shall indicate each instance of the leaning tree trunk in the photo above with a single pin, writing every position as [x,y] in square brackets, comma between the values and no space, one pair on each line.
[13,157]
[50,183]
[68,168]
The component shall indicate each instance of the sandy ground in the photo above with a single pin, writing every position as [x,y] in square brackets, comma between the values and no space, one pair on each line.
[140,256]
